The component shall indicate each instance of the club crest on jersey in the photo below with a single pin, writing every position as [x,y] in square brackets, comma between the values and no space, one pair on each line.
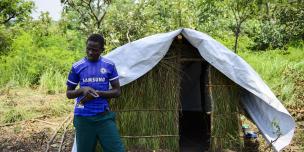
[103,70]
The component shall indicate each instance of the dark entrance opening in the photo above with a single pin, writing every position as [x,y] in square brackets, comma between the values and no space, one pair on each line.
[193,121]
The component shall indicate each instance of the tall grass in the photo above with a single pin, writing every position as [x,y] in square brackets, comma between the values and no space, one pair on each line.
[40,62]
[52,81]
[283,71]
[32,63]
[14,115]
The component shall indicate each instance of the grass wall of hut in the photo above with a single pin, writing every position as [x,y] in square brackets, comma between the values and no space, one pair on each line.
[149,110]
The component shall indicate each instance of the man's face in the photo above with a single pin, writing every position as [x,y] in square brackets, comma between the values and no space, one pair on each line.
[93,50]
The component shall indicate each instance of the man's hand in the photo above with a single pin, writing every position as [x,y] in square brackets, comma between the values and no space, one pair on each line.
[88,94]
[88,90]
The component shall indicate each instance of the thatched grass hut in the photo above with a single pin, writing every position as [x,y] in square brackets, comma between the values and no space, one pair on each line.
[160,109]
[170,79]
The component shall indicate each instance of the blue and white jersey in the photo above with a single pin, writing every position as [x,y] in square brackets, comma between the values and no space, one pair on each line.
[96,75]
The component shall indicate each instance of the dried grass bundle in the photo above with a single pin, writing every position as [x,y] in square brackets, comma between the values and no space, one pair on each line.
[225,123]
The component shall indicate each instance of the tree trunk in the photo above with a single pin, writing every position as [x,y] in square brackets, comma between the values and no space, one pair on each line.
[268,10]
[236,34]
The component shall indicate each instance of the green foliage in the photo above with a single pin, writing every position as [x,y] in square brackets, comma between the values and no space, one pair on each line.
[241,10]
[5,40]
[14,9]
[282,71]
[88,15]
[228,41]
[59,108]
[13,115]
[270,36]
[281,23]
[52,81]
[212,18]
[127,21]
[290,16]
[271,24]
[117,26]
[19,103]
[13,66]
[292,84]
[34,56]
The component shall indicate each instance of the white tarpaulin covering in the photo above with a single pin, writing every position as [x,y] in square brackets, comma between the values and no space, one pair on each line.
[137,58]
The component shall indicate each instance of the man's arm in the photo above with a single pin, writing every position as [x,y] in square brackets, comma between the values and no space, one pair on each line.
[113,93]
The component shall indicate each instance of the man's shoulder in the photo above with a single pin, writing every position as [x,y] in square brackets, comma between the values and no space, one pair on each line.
[79,63]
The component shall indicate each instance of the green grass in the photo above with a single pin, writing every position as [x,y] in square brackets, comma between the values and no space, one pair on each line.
[18,104]
[52,81]
[31,63]
[14,115]
[283,72]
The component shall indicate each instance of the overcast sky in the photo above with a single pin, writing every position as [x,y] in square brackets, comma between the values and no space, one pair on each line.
[52,6]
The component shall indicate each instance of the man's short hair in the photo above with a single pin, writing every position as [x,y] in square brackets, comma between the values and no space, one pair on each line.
[97,38]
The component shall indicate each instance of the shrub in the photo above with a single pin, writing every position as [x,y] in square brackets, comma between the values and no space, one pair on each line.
[13,115]
[52,81]
[270,36]
[29,60]
[5,40]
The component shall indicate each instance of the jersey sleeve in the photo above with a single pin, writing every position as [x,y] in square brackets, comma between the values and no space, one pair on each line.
[73,78]
[113,75]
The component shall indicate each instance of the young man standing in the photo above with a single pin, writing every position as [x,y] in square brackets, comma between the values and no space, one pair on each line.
[92,117]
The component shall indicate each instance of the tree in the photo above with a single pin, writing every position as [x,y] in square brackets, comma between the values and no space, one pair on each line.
[5,40]
[242,10]
[282,24]
[290,15]
[129,20]
[88,14]
[210,15]
[14,9]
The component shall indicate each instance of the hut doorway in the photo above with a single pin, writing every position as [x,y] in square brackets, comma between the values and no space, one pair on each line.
[194,121]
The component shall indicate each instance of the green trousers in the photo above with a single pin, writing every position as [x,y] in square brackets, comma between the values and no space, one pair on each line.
[100,128]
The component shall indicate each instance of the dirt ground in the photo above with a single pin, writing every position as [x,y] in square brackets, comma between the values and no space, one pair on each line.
[260,145]
[34,134]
